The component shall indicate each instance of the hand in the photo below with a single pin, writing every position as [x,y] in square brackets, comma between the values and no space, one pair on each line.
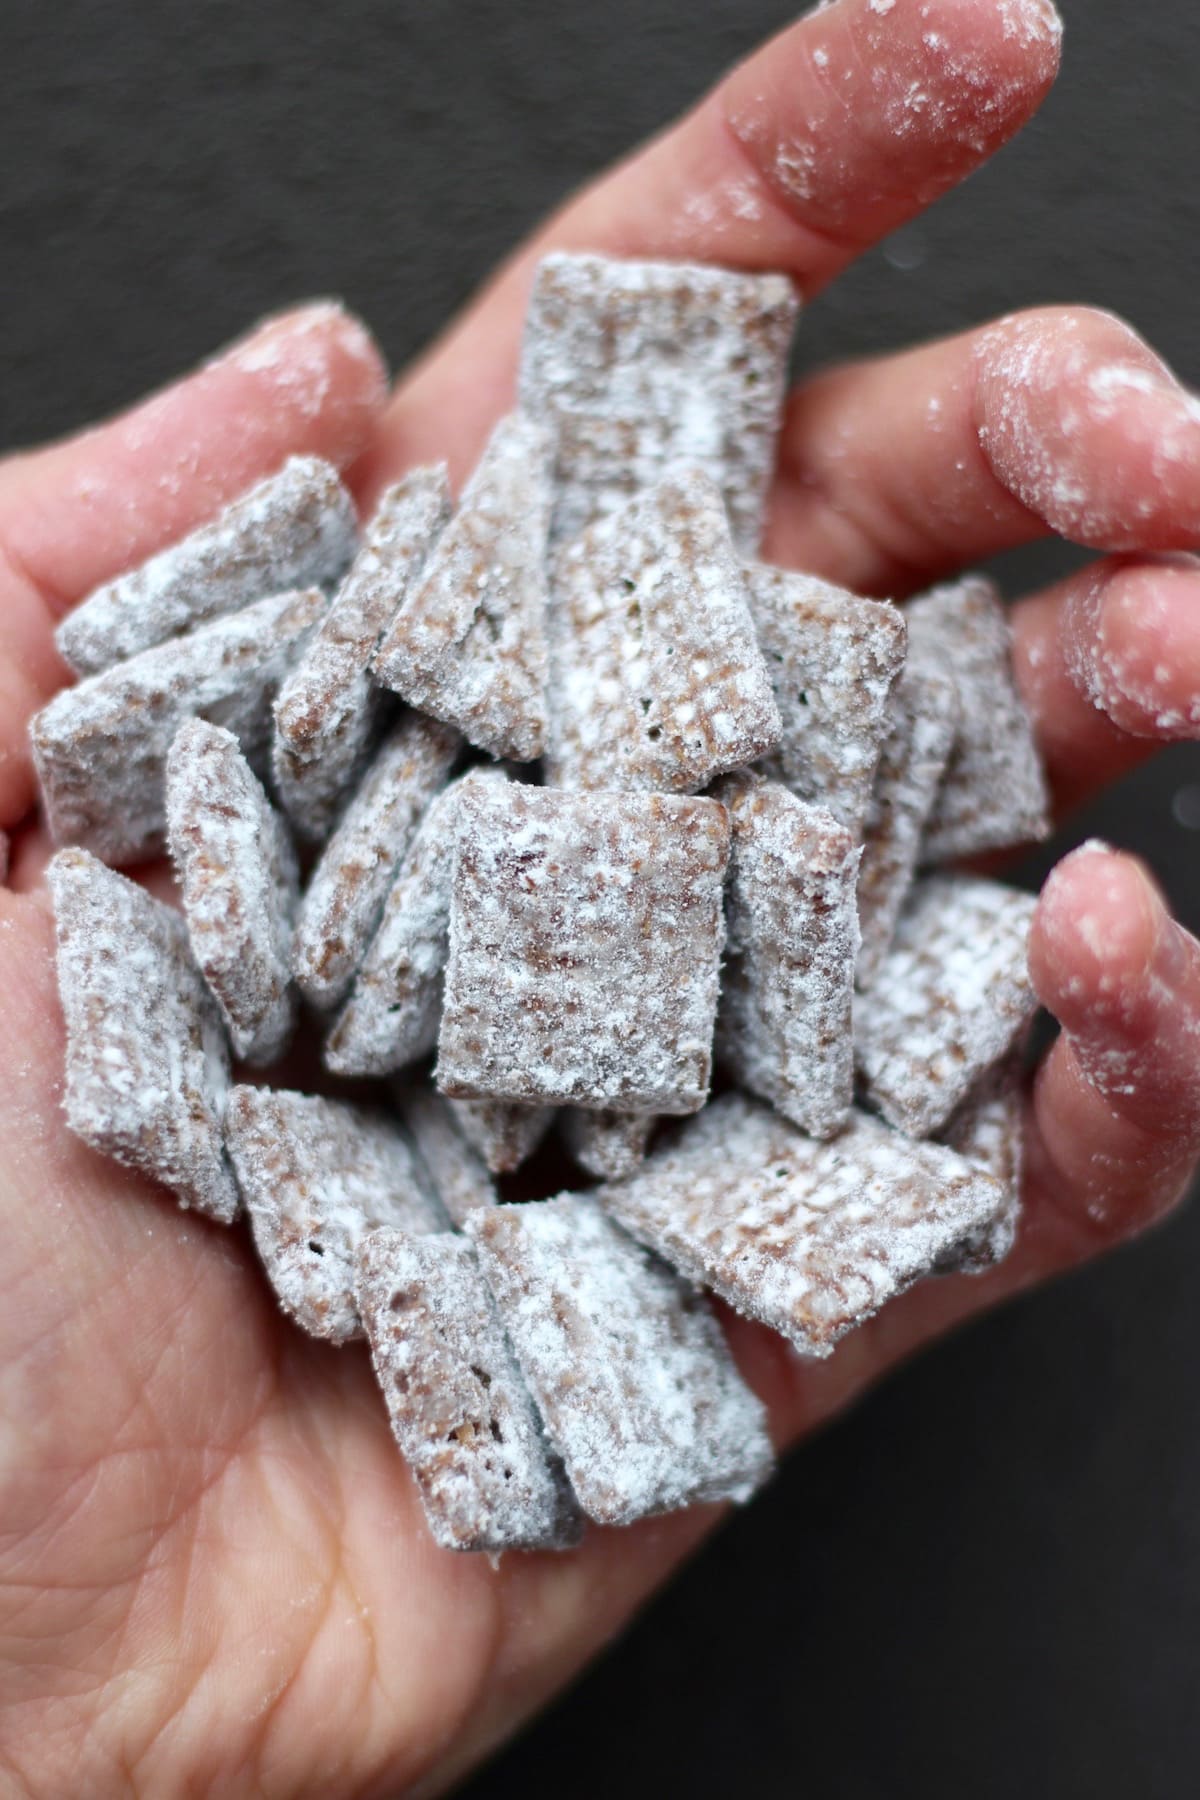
[215,1575]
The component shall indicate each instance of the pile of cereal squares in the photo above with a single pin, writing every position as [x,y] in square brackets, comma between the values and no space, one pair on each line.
[535,810]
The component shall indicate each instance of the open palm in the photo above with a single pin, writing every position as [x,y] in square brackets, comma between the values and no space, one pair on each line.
[214,1574]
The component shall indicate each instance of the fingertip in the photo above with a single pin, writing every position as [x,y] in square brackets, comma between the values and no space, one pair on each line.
[1097,930]
[1131,637]
[1089,429]
[319,360]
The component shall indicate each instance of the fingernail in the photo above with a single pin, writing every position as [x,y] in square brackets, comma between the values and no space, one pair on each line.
[262,346]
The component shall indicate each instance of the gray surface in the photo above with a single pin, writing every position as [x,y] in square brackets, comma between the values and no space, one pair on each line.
[988,1580]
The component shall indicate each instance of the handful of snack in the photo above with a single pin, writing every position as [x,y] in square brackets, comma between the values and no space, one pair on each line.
[743,779]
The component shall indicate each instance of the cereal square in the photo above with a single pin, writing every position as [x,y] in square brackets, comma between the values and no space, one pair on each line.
[147,1060]
[636,366]
[316,1176]
[585,934]
[951,999]
[627,1364]
[468,644]
[808,1238]
[459,1408]
[330,714]
[297,529]
[656,677]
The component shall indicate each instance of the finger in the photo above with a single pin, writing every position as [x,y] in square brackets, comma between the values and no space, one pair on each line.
[1109,664]
[76,513]
[897,470]
[841,128]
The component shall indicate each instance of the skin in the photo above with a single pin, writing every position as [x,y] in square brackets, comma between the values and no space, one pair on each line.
[214,1577]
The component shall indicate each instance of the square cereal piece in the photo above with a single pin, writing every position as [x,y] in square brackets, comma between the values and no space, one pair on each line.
[147,1061]
[391,1016]
[297,529]
[585,934]
[456,1171]
[923,724]
[347,889]
[329,713]
[240,882]
[317,1176]
[988,1129]
[609,1145]
[504,1134]
[784,1026]
[993,793]
[636,366]
[459,1408]
[626,1363]
[808,1238]
[833,660]
[952,997]
[468,644]
[101,748]
[656,678]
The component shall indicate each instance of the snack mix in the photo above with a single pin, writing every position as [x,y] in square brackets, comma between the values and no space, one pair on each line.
[543,815]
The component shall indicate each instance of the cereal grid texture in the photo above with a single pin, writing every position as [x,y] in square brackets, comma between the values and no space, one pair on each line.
[297,529]
[391,1016]
[329,713]
[316,1176]
[469,642]
[458,1406]
[347,889]
[625,1361]
[638,366]
[240,882]
[923,726]
[833,661]
[784,1026]
[147,1061]
[456,1172]
[987,1128]
[952,997]
[809,1238]
[656,677]
[994,790]
[100,748]
[585,933]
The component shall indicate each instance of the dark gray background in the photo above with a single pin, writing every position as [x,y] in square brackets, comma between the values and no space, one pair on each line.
[987,1581]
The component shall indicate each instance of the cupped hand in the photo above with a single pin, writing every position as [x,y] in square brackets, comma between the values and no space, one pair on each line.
[214,1574]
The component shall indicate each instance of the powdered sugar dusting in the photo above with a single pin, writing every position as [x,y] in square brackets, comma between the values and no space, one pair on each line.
[784,1024]
[240,880]
[391,1017]
[296,529]
[147,1061]
[952,996]
[100,748]
[656,678]
[458,1406]
[317,1175]
[585,932]
[468,643]
[626,1363]
[637,366]
[809,1238]
[329,713]
[347,889]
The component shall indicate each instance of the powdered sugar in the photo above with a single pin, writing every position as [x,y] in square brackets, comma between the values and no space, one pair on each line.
[296,529]
[627,1364]
[316,1176]
[240,881]
[809,1238]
